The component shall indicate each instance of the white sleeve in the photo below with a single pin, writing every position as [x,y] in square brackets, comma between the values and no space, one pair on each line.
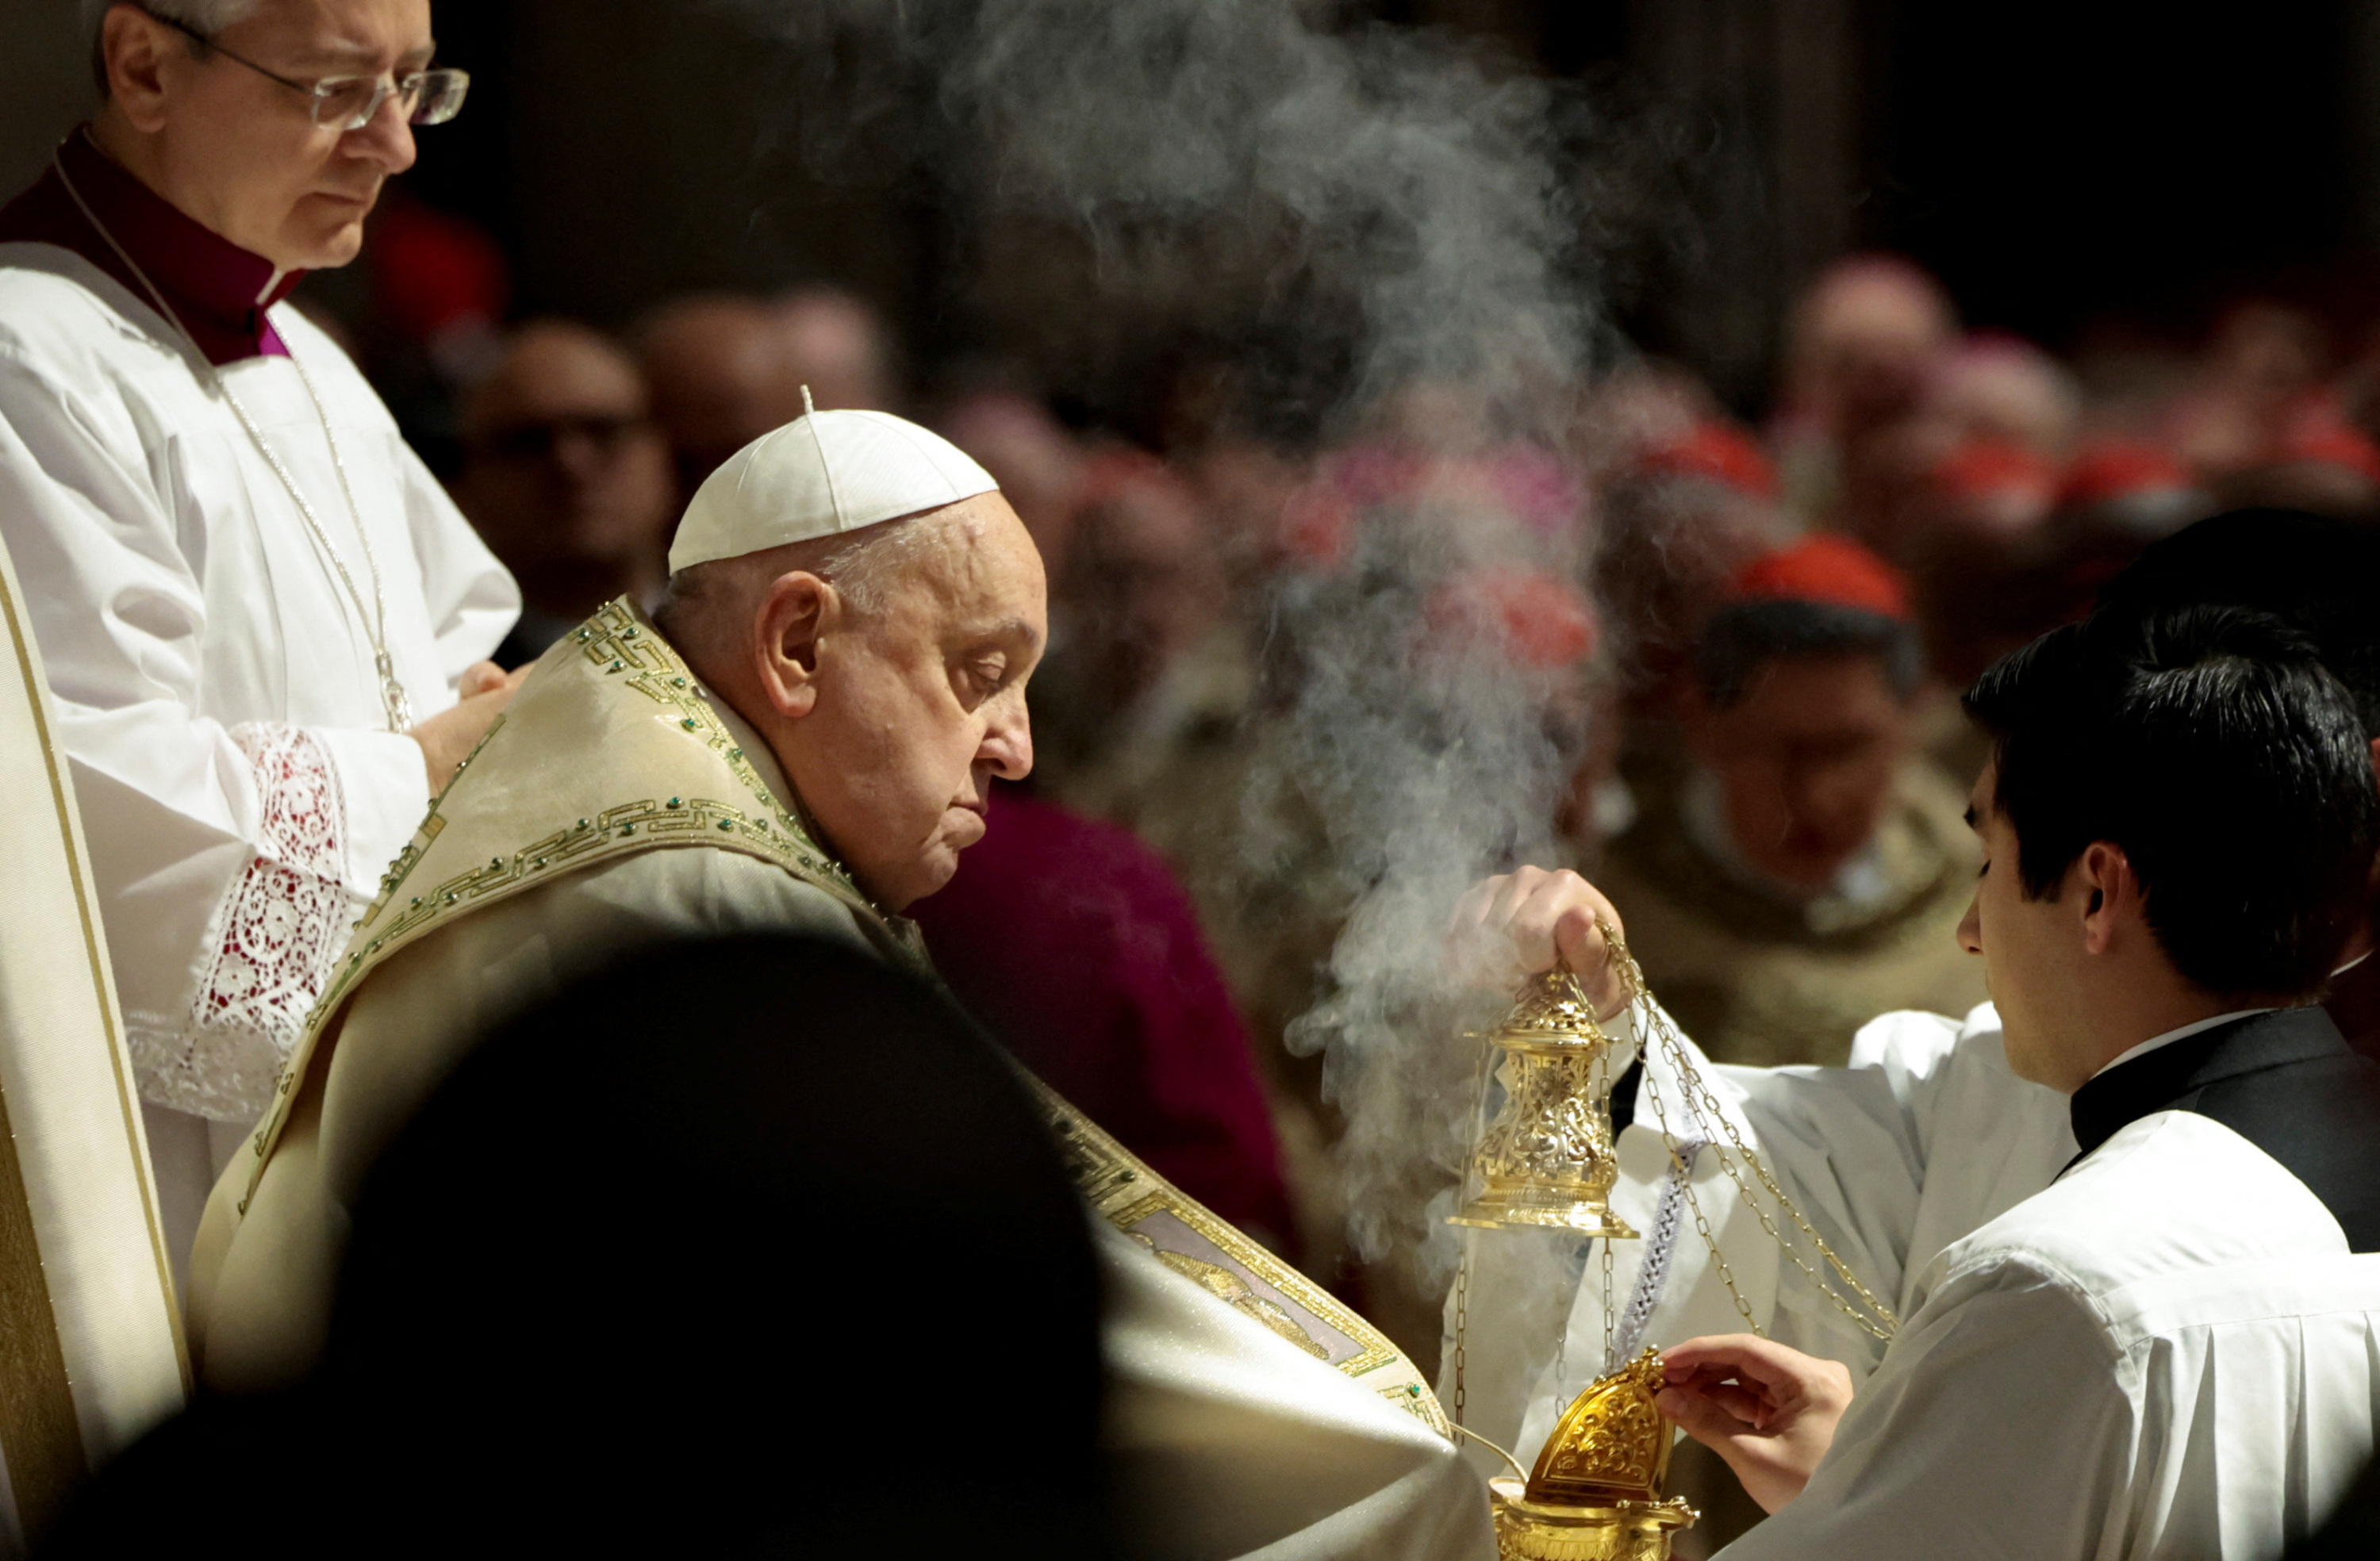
[1849,1146]
[1228,1441]
[2001,1426]
[230,860]
[472,599]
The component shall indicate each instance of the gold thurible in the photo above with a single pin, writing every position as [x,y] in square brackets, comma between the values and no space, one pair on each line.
[1546,1160]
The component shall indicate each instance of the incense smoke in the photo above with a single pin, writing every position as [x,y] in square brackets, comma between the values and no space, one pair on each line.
[1371,194]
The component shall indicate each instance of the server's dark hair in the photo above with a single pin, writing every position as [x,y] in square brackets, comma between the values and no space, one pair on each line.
[2320,577]
[2214,749]
[1742,638]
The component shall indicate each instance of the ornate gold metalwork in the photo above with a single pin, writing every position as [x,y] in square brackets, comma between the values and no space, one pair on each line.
[1546,1160]
[1595,1492]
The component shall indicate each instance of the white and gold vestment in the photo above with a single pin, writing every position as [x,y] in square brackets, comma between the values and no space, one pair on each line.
[617,805]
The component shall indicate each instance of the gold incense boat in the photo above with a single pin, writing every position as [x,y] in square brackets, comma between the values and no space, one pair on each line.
[1595,1492]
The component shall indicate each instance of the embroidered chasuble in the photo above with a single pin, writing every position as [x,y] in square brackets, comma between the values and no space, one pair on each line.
[616,802]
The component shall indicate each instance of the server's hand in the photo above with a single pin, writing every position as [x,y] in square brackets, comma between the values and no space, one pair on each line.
[1520,923]
[1770,1412]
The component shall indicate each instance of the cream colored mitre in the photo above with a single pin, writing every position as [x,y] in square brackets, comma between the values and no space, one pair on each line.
[823,474]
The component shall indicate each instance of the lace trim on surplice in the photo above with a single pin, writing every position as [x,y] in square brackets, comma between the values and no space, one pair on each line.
[274,939]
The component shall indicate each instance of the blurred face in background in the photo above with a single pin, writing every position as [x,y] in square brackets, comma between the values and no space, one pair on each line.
[1141,583]
[1863,339]
[721,373]
[1804,761]
[238,151]
[837,348]
[564,470]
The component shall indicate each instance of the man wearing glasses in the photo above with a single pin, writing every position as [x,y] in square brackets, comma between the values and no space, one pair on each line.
[263,624]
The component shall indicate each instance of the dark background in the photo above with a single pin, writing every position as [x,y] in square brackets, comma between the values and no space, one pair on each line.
[2074,172]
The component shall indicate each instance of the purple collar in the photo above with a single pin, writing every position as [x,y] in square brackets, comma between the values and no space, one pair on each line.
[219,291]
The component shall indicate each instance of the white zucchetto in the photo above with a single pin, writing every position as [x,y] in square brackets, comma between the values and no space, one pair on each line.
[822,474]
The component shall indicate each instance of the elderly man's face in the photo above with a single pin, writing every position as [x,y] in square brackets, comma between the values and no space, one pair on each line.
[921,702]
[238,151]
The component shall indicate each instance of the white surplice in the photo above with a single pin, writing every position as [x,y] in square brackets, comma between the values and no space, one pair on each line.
[2170,1354]
[1921,1141]
[214,686]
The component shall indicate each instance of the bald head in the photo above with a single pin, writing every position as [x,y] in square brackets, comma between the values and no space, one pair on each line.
[550,366]
[722,376]
[1865,332]
[838,348]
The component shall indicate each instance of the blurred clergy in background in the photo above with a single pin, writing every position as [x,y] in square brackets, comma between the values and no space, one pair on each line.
[264,621]
[1810,868]
[567,479]
[803,739]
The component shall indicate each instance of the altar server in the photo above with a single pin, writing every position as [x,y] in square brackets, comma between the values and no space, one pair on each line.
[258,609]
[2175,1349]
[1928,1135]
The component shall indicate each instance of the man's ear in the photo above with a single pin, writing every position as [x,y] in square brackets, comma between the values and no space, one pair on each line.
[2107,894]
[798,611]
[132,43]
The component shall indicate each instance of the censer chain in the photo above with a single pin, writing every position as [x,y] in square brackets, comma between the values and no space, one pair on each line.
[1877,1320]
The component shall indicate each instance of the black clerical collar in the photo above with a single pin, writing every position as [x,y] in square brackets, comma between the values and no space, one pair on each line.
[2170,1077]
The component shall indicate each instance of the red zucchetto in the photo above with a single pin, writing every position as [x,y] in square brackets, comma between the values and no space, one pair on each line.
[1717,452]
[1830,571]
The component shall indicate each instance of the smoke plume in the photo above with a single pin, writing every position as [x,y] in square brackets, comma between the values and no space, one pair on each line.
[1366,193]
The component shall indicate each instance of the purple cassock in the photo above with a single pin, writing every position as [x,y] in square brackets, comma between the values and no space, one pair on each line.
[1073,942]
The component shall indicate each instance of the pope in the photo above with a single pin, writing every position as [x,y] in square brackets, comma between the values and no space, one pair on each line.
[263,622]
[801,739]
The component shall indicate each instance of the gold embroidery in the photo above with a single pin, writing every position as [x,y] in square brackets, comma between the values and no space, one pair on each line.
[1143,1204]
[615,642]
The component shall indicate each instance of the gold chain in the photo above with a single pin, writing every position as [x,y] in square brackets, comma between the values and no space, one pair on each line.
[1462,1320]
[1561,1356]
[1609,1364]
[1702,1221]
[1877,1320]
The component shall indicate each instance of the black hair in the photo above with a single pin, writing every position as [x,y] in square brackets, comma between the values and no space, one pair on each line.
[1742,638]
[2320,577]
[2210,747]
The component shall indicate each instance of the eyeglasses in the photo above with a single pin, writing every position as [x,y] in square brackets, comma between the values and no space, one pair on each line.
[350,102]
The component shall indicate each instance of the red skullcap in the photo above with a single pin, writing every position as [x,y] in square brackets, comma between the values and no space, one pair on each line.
[1987,466]
[431,270]
[2334,444]
[1831,571]
[1543,624]
[1113,474]
[1716,453]
[2117,469]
